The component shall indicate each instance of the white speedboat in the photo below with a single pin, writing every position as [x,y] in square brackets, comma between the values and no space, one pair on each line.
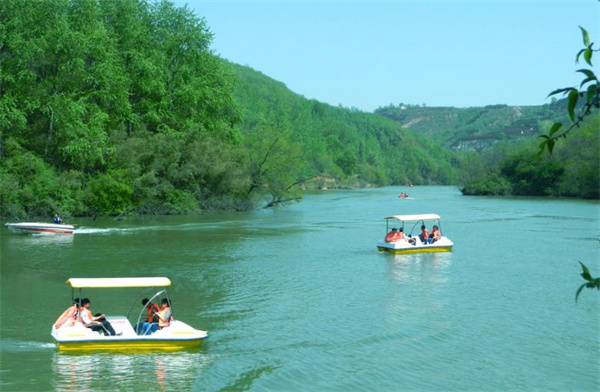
[39,228]
[410,242]
[72,335]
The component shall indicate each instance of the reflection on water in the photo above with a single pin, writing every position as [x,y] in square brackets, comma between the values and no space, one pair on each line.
[89,372]
[42,239]
[420,267]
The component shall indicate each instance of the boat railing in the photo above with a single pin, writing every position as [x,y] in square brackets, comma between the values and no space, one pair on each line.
[139,319]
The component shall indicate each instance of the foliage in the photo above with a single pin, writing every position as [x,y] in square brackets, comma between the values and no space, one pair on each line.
[475,128]
[586,175]
[348,146]
[591,94]
[275,166]
[518,169]
[115,106]
[592,283]
[531,175]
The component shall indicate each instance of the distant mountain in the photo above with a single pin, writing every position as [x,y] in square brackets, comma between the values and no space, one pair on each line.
[475,128]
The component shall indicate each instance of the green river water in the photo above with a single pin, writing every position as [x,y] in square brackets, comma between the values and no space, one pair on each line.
[299,299]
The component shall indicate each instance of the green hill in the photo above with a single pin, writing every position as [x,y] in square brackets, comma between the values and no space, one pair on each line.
[351,147]
[476,128]
[120,107]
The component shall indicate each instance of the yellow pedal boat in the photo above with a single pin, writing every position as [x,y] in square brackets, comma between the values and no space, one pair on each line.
[70,333]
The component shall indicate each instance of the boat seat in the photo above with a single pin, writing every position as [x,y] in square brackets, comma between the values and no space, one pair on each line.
[121,325]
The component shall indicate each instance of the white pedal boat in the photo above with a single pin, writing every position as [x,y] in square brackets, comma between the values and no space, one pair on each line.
[412,243]
[74,335]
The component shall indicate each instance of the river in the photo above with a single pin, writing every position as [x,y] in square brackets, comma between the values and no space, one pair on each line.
[299,298]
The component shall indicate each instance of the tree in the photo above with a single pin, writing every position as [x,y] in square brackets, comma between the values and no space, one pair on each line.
[276,166]
[592,101]
[589,90]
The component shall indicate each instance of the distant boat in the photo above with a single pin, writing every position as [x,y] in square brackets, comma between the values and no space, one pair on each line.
[39,228]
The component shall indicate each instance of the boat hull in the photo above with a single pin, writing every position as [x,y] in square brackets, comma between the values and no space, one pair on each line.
[129,345]
[39,228]
[178,336]
[404,247]
[416,250]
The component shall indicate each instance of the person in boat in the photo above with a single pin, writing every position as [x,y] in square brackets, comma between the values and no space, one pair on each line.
[153,310]
[394,235]
[97,322]
[164,318]
[435,234]
[69,316]
[424,236]
[57,219]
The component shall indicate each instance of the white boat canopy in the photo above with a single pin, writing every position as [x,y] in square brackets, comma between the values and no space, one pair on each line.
[413,217]
[118,282]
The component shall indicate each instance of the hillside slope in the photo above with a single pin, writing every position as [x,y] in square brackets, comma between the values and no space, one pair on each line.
[475,128]
[354,147]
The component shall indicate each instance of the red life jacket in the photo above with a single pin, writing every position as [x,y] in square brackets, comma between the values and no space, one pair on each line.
[151,310]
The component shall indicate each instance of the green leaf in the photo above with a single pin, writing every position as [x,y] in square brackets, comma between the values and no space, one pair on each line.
[585,36]
[555,127]
[573,97]
[586,272]
[550,145]
[560,90]
[587,55]
[584,268]
[587,73]
[586,81]
[592,90]
[579,291]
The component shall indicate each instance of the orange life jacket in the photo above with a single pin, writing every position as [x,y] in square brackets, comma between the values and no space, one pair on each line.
[151,310]
[393,236]
[71,312]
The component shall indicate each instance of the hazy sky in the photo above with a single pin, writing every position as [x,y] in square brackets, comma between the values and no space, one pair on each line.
[367,54]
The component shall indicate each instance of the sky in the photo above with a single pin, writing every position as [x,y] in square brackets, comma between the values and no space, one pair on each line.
[370,54]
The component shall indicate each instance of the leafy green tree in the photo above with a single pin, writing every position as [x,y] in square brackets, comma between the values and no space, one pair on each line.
[531,174]
[589,91]
[275,165]
[592,101]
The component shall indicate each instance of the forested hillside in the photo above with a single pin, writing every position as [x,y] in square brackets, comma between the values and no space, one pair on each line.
[519,169]
[115,107]
[498,148]
[476,128]
[351,147]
